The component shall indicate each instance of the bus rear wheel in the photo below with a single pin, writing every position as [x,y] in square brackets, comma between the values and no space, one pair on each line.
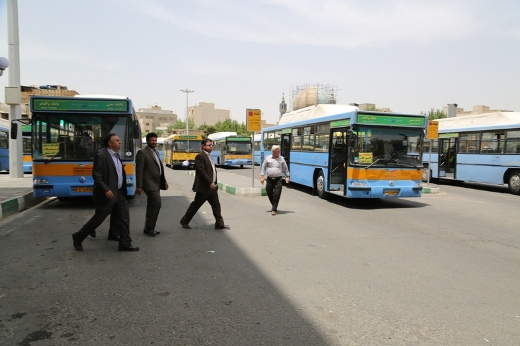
[514,183]
[319,185]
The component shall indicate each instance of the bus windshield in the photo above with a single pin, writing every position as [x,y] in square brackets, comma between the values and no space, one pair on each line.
[238,147]
[186,146]
[78,137]
[385,146]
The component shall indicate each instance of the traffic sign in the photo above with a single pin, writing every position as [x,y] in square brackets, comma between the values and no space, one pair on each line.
[433,130]
[253,119]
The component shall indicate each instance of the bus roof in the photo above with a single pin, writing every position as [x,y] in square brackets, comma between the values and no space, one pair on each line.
[160,140]
[480,122]
[220,135]
[316,111]
[102,96]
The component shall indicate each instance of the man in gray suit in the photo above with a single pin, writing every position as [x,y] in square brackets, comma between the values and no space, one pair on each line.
[205,187]
[150,179]
[109,195]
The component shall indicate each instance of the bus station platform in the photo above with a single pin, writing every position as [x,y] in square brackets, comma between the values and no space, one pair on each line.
[16,193]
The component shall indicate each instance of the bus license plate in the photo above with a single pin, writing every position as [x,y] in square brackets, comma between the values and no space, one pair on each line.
[239,162]
[391,192]
[82,189]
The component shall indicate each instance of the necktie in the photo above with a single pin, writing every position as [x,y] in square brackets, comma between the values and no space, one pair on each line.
[119,170]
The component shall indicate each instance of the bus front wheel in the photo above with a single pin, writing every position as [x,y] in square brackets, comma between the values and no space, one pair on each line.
[319,185]
[514,183]
[425,172]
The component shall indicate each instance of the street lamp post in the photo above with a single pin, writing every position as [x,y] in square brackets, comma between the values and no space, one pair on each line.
[13,90]
[187,91]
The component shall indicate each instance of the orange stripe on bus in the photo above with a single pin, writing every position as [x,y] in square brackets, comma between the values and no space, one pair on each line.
[70,169]
[383,174]
[238,157]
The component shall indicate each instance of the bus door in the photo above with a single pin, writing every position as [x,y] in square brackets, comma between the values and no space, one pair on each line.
[285,149]
[338,159]
[447,157]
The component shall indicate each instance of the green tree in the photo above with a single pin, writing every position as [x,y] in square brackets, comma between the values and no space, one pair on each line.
[207,129]
[229,125]
[435,114]
[181,125]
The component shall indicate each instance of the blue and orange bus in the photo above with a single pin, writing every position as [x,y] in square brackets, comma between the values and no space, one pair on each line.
[67,132]
[480,148]
[179,148]
[4,146]
[257,152]
[229,149]
[340,150]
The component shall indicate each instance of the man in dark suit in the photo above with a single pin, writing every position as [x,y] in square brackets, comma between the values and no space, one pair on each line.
[205,187]
[109,195]
[150,179]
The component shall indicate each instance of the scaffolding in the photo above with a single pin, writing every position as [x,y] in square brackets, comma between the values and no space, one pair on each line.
[305,95]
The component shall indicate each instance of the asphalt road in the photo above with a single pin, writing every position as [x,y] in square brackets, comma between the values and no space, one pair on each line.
[438,270]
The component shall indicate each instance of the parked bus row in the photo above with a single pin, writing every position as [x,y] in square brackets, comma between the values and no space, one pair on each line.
[481,148]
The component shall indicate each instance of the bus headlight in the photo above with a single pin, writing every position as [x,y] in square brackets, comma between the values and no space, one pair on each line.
[358,184]
[419,184]
[40,181]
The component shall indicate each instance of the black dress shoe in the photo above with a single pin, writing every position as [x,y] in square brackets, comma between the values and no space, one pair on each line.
[113,238]
[130,248]
[185,225]
[222,227]
[149,233]
[77,243]
[93,234]
[157,232]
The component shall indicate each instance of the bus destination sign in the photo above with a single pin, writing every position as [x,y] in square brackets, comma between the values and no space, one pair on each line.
[41,104]
[390,120]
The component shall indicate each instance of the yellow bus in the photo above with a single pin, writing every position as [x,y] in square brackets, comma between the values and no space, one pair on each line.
[178,148]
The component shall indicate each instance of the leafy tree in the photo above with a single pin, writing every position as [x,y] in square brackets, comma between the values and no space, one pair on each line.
[435,114]
[229,125]
[181,125]
[207,129]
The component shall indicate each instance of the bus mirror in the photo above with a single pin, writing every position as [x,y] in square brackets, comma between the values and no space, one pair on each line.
[137,130]
[14,130]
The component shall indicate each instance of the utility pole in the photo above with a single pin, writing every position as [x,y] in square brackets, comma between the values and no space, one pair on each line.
[13,91]
[187,91]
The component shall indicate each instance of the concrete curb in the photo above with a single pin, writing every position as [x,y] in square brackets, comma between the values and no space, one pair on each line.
[431,190]
[237,191]
[17,204]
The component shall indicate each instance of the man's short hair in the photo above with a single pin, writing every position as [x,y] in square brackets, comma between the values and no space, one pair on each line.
[275,147]
[107,139]
[205,140]
[150,135]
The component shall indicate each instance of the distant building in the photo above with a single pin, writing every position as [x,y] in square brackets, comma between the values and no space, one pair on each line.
[308,95]
[28,91]
[480,109]
[154,118]
[206,114]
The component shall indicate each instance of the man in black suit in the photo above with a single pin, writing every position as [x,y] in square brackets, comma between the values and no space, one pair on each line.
[150,178]
[205,187]
[109,195]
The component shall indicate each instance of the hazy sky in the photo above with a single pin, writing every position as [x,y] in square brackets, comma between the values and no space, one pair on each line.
[409,56]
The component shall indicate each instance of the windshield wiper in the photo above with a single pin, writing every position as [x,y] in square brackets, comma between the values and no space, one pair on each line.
[383,161]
